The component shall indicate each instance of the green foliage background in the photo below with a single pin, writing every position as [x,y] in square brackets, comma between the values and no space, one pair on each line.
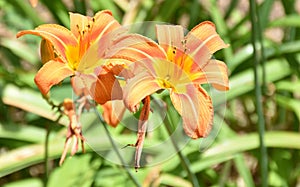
[259,141]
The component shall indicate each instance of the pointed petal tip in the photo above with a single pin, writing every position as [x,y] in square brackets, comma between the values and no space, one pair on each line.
[196,109]
[50,74]
[22,33]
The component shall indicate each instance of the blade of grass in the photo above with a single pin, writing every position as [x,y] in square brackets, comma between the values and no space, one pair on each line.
[258,95]
[80,6]
[264,10]
[22,98]
[46,160]
[289,103]
[222,28]
[287,21]
[24,133]
[59,11]
[184,160]
[115,148]
[229,149]
[32,154]
[239,161]
[242,82]
[231,7]
[29,12]
[243,170]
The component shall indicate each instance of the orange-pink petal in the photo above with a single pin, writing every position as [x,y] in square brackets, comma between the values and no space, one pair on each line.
[79,23]
[104,23]
[134,47]
[170,36]
[137,88]
[59,36]
[197,52]
[106,88]
[51,73]
[113,112]
[215,73]
[196,110]
[47,51]
[206,32]
[81,83]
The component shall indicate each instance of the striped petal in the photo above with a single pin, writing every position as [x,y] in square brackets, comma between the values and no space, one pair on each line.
[197,52]
[196,110]
[215,73]
[104,23]
[206,32]
[59,36]
[106,88]
[170,36]
[135,47]
[113,112]
[79,23]
[137,88]
[51,73]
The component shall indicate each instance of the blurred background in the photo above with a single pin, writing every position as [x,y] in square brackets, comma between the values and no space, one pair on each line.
[258,141]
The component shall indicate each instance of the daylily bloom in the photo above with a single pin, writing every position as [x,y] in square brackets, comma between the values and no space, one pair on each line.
[187,63]
[76,53]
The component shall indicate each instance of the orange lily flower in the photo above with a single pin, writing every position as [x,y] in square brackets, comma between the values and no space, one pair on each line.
[187,64]
[76,53]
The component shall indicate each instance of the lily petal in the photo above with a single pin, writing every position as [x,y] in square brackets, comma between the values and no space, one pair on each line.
[106,88]
[104,23]
[78,23]
[197,52]
[51,73]
[80,84]
[206,32]
[59,36]
[47,51]
[215,73]
[137,88]
[135,47]
[196,110]
[170,36]
[99,49]
[113,112]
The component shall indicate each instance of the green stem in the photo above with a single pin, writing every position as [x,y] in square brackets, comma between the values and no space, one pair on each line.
[259,107]
[184,160]
[134,180]
[262,53]
[46,159]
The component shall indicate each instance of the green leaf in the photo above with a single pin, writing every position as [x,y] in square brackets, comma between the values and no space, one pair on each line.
[286,21]
[288,86]
[26,133]
[172,180]
[243,82]
[31,101]
[229,149]
[32,182]
[290,103]
[21,51]
[76,171]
